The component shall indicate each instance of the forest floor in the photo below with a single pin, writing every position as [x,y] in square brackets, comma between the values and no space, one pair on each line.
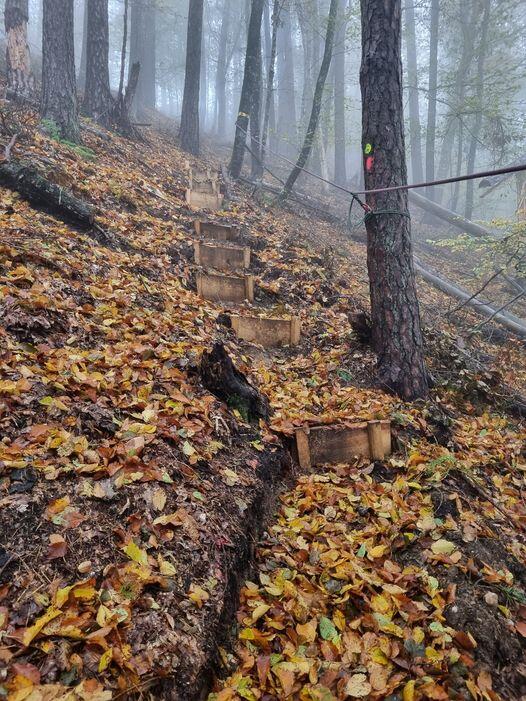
[131,499]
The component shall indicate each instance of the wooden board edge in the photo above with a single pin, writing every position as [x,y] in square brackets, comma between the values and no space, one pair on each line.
[303,448]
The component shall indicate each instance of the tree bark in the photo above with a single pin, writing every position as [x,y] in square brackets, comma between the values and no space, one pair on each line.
[249,87]
[189,131]
[475,134]
[81,78]
[255,115]
[20,80]
[432,96]
[414,103]
[340,166]
[59,94]
[395,315]
[98,102]
[316,102]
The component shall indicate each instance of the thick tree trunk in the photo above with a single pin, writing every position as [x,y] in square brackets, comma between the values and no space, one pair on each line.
[59,94]
[98,102]
[477,126]
[395,315]
[286,116]
[222,70]
[189,131]
[251,85]
[414,103]
[340,167]
[432,96]
[20,81]
[316,102]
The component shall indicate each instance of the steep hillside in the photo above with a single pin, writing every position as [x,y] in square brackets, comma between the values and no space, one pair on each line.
[131,497]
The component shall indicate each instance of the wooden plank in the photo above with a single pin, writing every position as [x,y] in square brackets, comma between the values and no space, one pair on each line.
[225,288]
[216,231]
[202,200]
[221,257]
[267,332]
[205,187]
[341,443]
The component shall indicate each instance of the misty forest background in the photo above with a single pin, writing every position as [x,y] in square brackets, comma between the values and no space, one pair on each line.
[464,82]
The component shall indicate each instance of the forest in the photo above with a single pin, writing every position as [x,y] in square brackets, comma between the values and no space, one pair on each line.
[262,350]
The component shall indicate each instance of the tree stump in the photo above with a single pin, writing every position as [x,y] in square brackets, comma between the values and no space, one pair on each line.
[221,377]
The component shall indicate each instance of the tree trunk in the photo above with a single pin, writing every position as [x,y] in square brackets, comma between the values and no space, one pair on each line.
[59,95]
[255,116]
[20,81]
[222,70]
[340,167]
[189,131]
[395,315]
[414,103]
[316,102]
[203,91]
[250,86]
[475,134]
[432,96]
[98,102]
[286,117]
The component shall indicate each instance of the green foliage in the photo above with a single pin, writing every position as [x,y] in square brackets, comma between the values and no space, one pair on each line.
[52,129]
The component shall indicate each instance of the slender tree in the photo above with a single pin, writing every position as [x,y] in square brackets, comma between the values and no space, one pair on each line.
[397,336]
[316,102]
[340,169]
[20,80]
[477,126]
[98,102]
[269,99]
[220,81]
[286,112]
[189,131]
[414,102]
[81,77]
[59,95]
[432,96]
[251,85]
[142,51]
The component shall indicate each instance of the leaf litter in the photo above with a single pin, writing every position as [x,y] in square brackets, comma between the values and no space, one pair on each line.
[129,493]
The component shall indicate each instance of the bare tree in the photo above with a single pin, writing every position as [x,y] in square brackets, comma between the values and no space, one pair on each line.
[251,84]
[316,102]
[340,169]
[286,108]
[189,131]
[98,102]
[221,70]
[395,315]
[59,95]
[142,51]
[20,80]
[269,99]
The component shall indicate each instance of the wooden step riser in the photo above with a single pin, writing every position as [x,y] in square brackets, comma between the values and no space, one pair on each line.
[224,288]
[202,200]
[269,333]
[221,257]
[322,445]
[216,232]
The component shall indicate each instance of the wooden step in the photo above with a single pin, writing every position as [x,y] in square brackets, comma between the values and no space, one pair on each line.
[215,231]
[225,288]
[203,200]
[205,187]
[221,257]
[267,332]
[319,445]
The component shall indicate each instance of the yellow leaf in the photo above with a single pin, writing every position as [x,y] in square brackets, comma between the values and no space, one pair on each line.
[259,611]
[34,630]
[166,568]
[378,551]
[198,595]
[443,547]
[136,554]
[105,659]
[307,631]
[408,693]
[158,499]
